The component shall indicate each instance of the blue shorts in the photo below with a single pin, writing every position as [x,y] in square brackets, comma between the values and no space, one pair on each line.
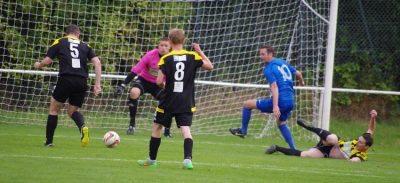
[285,107]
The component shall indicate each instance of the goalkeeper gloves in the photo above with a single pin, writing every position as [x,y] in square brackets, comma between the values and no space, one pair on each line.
[119,90]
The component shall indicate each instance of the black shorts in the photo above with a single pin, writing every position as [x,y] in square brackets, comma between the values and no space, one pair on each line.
[181,119]
[325,150]
[148,87]
[72,88]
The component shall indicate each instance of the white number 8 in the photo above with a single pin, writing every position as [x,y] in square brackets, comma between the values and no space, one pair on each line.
[179,73]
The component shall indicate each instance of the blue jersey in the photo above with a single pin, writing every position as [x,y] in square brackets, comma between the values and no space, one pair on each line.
[281,72]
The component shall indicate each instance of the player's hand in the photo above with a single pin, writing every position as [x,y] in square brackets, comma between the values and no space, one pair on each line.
[373,113]
[119,90]
[97,89]
[36,65]
[197,48]
[302,83]
[277,112]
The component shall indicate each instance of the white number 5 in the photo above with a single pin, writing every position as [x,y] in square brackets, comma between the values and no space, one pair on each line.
[74,51]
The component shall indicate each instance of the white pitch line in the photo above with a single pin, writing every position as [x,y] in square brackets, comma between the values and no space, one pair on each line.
[232,165]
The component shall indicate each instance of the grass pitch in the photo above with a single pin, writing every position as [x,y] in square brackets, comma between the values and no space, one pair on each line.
[215,158]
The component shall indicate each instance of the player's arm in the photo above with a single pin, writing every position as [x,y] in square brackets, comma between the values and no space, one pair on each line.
[97,70]
[50,55]
[299,76]
[275,99]
[207,65]
[120,88]
[160,79]
[372,122]
[45,62]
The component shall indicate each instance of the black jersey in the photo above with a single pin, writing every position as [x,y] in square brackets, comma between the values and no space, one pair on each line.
[72,54]
[179,68]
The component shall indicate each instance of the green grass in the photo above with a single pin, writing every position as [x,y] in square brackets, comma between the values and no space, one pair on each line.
[216,158]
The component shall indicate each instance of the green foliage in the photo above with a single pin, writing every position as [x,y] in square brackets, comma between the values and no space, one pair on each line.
[366,52]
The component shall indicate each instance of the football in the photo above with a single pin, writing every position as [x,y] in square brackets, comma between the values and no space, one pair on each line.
[111,139]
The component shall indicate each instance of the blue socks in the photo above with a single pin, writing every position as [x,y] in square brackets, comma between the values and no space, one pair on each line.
[287,135]
[246,115]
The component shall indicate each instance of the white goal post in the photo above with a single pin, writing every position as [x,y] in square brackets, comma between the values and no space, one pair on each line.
[230,33]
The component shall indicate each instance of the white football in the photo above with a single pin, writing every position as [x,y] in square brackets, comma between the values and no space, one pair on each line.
[111,139]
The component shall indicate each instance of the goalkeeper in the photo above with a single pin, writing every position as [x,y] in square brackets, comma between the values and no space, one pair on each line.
[331,146]
[146,70]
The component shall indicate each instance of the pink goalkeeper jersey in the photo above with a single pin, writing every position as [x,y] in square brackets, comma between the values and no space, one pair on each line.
[147,68]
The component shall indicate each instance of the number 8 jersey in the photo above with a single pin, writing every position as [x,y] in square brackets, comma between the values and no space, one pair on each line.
[72,55]
[179,68]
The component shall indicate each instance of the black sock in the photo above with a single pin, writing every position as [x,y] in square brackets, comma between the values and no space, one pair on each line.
[319,131]
[187,148]
[132,103]
[154,145]
[51,128]
[79,120]
[287,151]
[167,131]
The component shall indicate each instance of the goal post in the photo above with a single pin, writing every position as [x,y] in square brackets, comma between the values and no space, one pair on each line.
[229,32]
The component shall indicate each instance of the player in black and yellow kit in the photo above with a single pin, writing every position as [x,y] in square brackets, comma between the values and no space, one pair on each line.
[72,55]
[331,146]
[178,70]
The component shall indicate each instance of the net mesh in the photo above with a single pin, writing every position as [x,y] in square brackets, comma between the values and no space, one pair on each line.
[229,32]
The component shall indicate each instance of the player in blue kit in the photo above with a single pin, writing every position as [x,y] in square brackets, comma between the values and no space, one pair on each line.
[279,76]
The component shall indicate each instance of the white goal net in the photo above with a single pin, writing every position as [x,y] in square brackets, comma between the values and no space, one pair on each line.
[120,31]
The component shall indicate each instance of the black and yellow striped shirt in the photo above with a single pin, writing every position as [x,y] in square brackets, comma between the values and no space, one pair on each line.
[349,150]
[72,55]
[179,68]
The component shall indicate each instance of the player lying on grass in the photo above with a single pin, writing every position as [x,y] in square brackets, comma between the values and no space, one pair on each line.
[331,146]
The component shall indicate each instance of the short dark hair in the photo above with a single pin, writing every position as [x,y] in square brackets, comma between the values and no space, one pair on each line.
[164,39]
[269,49]
[72,29]
[368,139]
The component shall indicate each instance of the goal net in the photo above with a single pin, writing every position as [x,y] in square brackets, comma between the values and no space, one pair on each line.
[121,31]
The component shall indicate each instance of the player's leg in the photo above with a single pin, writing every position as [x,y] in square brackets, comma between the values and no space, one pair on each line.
[59,96]
[288,151]
[313,152]
[134,95]
[76,99]
[79,120]
[248,105]
[159,94]
[285,132]
[52,121]
[285,108]
[161,119]
[184,121]
[154,144]
[327,138]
